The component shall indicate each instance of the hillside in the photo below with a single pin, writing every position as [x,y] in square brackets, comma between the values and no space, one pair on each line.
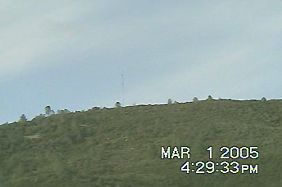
[121,147]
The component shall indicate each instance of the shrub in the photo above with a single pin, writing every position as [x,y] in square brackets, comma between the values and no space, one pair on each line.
[23,118]
[40,116]
[195,99]
[65,111]
[169,101]
[210,97]
[117,105]
[96,108]
[49,111]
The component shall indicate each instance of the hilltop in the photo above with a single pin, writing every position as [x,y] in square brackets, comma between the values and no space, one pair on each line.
[122,146]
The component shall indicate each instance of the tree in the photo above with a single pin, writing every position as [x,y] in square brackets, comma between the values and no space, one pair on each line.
[49,111]
[263,99]
[195,99]
[40,116]
[169,101]
[23,118]
[96,108]
[210,97]
[64,111]
[117,105]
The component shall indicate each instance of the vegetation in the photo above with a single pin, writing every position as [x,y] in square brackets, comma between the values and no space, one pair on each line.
[118,105]
[169,101]
[64,111]
[195,99]
[121,146]
[210,97]
[263,99]
[49,111]
[23,118]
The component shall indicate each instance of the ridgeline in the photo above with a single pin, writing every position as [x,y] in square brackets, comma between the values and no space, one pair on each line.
[121,147]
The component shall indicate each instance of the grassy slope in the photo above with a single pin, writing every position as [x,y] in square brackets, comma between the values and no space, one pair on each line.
[121,147]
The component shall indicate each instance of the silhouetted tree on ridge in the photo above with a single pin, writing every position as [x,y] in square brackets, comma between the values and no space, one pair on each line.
[23,118]
[49,111]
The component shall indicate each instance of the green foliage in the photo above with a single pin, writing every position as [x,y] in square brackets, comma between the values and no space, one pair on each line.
[23,118]
[169,101]
[121,147]
[210,98]
[64,111]
[195,99]
[40,116]
[118,105]
[49,111]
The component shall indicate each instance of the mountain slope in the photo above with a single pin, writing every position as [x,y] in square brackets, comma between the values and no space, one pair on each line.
[122,146]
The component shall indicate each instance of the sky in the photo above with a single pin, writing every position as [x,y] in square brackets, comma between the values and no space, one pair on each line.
[72,54]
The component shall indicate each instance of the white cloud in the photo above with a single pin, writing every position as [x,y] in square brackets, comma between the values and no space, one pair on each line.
[29,34]
[32,31]
[200,42]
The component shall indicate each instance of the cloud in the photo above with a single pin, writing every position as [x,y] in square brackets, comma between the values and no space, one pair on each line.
[178,49]
[33,36]
[30,34]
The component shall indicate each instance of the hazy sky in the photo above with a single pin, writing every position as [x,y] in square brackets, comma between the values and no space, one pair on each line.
[71,54]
